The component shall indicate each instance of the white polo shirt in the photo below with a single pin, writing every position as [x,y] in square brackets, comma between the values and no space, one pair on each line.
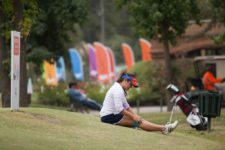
[115,101]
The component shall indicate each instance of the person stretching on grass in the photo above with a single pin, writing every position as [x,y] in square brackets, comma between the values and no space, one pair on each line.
[116,109]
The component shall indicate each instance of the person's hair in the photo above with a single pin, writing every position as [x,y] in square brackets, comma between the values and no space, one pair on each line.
[210,68]
[71,84]
[120,79]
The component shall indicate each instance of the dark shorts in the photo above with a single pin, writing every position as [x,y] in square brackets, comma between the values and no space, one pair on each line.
[112,119]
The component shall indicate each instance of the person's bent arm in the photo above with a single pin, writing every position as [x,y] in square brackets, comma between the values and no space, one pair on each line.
[131,115]
[214,80]
[130,110]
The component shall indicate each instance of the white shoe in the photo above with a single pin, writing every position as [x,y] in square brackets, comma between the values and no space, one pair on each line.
[170,127]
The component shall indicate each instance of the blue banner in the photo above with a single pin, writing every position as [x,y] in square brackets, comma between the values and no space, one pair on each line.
[76,63]
[60,69]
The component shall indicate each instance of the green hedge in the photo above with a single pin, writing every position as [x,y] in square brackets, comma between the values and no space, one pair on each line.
[96,92]
[152,79]
[150,75]
[55,96]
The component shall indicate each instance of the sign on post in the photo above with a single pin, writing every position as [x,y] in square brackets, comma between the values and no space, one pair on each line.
[15,69]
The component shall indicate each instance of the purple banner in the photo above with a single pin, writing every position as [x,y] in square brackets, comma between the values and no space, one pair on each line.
[92,61]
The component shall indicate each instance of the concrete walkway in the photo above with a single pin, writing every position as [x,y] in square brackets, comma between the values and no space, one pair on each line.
[150,109]
[143,109]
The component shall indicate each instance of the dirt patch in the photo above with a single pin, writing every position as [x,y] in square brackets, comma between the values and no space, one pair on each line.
[46,118]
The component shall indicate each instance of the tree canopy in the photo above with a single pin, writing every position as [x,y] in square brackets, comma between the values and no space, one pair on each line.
[150,17]
[163,20]
[55,21]
[44,27]
[218,9]
[14,15]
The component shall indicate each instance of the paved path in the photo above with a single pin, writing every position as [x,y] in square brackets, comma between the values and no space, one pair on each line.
[144,109]
[152,109]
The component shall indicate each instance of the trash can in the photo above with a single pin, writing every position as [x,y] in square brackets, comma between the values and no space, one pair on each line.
[210,103]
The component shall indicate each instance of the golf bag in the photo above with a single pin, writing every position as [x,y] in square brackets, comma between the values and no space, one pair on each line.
[189,109]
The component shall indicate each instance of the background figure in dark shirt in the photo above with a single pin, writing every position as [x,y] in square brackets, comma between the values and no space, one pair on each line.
[77,95]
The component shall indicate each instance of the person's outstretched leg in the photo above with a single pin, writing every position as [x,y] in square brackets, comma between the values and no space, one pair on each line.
[145,125]
[92,104]
[148,126]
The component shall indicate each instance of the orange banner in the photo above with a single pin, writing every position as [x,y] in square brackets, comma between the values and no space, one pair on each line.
[112,64]
[146,49]
[50,73]
[103,63]
[128,56]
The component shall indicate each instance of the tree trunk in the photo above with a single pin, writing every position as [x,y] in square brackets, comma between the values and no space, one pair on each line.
[18,9]
[24,99]
[168,67]
[4,67]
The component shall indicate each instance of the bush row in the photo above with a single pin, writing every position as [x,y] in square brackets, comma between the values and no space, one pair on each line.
[150,75]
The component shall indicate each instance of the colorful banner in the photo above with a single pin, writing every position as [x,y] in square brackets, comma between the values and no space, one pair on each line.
[60,69]
[76,63]
[103,63]
[50,73]
[128,56]
[146,49]
[92,61]
[112,64]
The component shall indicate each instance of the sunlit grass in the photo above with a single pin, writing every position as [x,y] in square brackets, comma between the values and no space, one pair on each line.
[43,128]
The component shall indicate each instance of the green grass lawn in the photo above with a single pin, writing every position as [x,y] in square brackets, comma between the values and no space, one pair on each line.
[43,128]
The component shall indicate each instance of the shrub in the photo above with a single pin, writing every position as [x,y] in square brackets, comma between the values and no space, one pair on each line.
[96,92]
[54,96]
[151,76]
[182,69]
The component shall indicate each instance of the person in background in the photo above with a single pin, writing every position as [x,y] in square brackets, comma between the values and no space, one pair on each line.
[209,80]
[116,109]
[78,95]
